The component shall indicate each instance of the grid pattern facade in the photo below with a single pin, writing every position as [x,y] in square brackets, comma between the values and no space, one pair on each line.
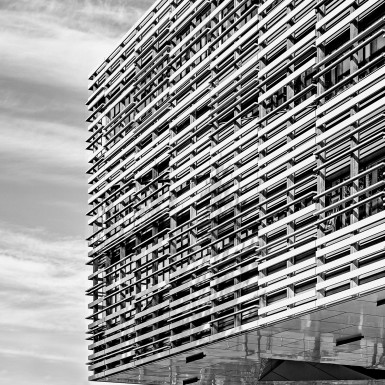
[236,172]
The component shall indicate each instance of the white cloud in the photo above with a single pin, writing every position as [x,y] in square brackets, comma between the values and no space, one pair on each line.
[59,41]
[43,279]
[44,142]
[48,48]
[55,54]
[42,355]
[42,151]
[103,17]
[60,363]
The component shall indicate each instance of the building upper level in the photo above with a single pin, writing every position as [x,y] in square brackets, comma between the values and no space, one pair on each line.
[236,176]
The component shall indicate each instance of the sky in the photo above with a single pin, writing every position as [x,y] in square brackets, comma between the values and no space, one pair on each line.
[48,48]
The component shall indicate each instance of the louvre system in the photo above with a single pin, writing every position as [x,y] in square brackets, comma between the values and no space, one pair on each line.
[237,172]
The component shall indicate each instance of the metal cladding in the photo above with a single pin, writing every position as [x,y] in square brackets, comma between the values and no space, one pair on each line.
[237,172]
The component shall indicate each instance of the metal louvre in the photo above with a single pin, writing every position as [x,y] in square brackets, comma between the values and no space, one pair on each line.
[236,176]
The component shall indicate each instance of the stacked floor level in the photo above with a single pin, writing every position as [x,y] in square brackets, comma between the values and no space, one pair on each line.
[236,172]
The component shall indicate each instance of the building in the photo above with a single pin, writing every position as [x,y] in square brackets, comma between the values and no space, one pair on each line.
[236,183]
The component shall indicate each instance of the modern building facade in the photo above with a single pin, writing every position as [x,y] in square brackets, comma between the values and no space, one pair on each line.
[236,182]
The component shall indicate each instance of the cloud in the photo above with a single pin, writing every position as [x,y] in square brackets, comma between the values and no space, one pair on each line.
[40,368]
[44,70]
[56,41]
[43,306]
[50,143]
[41,151]
[43,279]
[103,17]
[48,49]
[35,100]
[49,53]
[42,355]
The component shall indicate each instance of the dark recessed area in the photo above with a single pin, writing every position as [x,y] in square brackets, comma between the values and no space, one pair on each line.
[190,380]
[346,340]
[195,357]
[381,302]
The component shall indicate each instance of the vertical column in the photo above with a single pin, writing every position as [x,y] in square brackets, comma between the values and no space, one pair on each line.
[153,188]
[108,281]
[354,140]
[193,179]
[237,165]
[154,254]
[290,136]
[261,179]
[122,294]
[137,234]
[213,179]
[173,218]
[321,175]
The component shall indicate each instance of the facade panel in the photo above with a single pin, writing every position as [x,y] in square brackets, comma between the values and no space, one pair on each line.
[237,173]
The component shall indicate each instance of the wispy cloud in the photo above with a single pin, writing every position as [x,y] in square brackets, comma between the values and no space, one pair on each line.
[43,279]
[31,353]
[44,144]
[103,17]
[62,41]
[38,100]
[43,369]
[47,50]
